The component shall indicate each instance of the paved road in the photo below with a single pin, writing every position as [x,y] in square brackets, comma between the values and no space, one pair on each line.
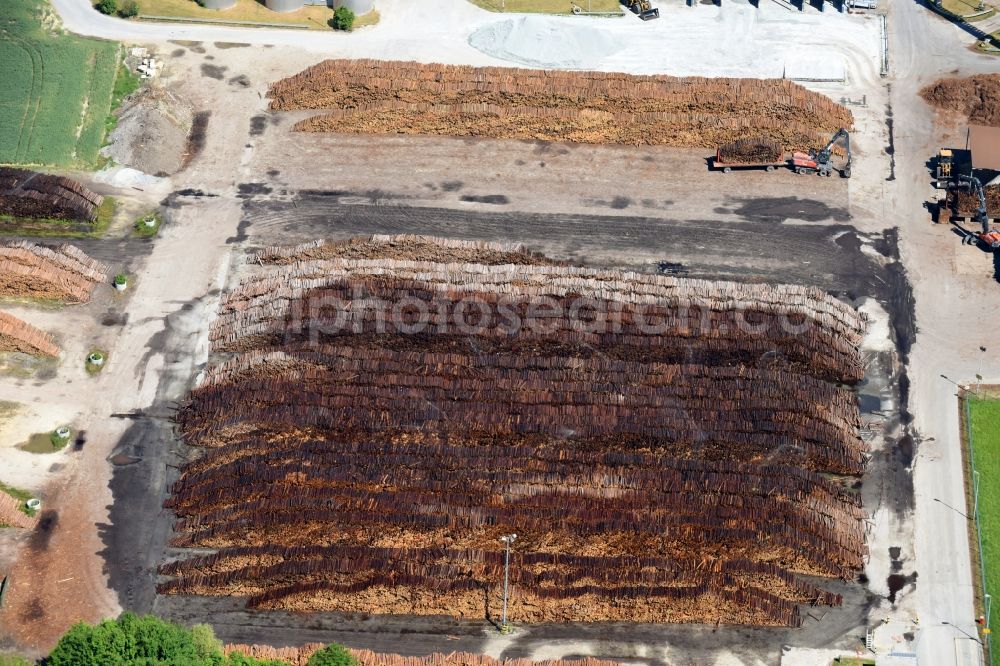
[759,42]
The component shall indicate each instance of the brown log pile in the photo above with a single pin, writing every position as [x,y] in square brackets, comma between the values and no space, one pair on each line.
[299,656]
[750,150]
[11,514]
[673,465]
[375,97]
[19,336]
[62,273]
[967,203]
[401,246]
[30,194]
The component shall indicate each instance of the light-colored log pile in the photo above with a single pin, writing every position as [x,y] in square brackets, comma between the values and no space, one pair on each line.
[62,273]
[11,514]
[374,97]
[670,474]
[402,247]
[38,195]
[299,656]
[19,336]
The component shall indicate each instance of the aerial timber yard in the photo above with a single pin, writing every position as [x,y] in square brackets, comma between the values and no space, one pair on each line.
[473,336]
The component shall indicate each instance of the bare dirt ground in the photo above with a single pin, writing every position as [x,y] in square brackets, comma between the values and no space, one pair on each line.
[251,183]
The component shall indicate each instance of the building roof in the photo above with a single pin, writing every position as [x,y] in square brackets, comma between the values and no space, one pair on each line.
[984,142]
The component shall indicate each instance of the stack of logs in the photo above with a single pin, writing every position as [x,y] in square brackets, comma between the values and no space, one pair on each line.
[662,447]
[29,194]
[374,97]
[299,656]
[966,204]
[19,336]
[750,150]
[62,273]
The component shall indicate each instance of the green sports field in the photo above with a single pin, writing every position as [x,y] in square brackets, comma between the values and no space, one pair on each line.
[985,419]
[55,89]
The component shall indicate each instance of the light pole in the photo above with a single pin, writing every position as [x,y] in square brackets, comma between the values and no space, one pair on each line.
[979,375]
[507,539]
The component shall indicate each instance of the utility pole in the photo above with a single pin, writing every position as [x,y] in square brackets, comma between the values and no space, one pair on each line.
[507,539]
[979,375]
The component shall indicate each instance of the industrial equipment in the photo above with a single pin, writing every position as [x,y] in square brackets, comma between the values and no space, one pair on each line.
[644,8]
[820,162]
[988,235]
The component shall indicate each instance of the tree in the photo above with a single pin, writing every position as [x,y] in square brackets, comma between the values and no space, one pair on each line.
[108,7]
[132,640]
[343,18]
[332,655]
[129,9]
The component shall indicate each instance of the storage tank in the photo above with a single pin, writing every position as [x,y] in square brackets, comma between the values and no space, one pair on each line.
[217,4]
[359,7]
[284,5]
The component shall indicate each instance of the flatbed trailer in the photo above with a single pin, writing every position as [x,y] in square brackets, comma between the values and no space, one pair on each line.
[726,167]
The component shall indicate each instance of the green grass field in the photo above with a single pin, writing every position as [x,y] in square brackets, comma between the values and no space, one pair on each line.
[55,90]
[985,427]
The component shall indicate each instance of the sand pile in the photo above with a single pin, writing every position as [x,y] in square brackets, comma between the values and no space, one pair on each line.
[540,41]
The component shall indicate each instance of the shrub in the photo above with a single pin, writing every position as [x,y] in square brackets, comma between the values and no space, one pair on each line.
[131,640]
[129,9]
[108,7]
[343,18]
[240,659]
[332,655]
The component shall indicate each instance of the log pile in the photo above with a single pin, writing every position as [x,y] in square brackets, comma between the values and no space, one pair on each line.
[670,465]
[11,514]
[29,194]
[299,656]
[967,203]
[19,336]
[750,150]
[375,97]
[62,273]
[401,246]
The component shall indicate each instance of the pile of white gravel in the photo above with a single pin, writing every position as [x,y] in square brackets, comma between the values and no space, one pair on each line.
[540,41]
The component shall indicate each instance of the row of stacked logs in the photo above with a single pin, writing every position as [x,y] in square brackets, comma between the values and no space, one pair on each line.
[29,194]
[362,455]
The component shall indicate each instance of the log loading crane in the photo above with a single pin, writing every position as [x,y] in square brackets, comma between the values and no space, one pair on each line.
[820,162]
[644,8]
[988,236]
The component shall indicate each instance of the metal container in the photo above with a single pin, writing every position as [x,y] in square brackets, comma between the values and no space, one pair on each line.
[359,7]
[218,4]
[284,5]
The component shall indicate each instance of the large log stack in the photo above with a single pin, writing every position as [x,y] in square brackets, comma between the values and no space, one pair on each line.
[29,194]
[662,447]
[299,656]
[19,336]
[61,273]
[376,97]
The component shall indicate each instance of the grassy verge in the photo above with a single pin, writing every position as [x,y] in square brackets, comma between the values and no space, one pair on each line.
[24,226]
[980,417]
[55,90]
[126,83]
[245,11]
[18,494]
[547,6]
[964,8]
[371,18]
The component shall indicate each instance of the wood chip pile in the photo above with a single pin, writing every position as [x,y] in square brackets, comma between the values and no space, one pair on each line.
[750,150]
[376,97]
[38,195]
[19,336]
[62,273]
[299,656]
[976,98]
[662,447]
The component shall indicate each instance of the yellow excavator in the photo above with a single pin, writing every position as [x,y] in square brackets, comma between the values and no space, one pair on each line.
[644,8]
